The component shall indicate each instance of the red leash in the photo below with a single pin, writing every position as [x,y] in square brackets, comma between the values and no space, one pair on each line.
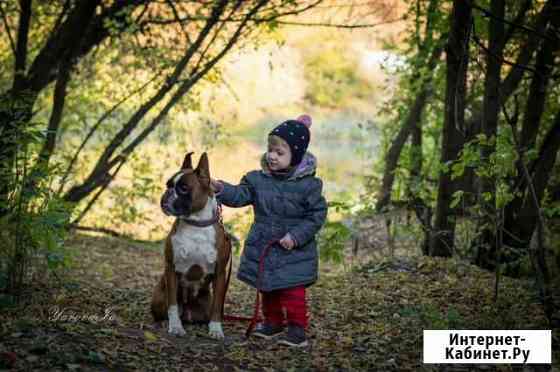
[255,318]
[265,251]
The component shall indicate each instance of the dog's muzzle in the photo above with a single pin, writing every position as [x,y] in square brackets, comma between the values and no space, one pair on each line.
[167,200]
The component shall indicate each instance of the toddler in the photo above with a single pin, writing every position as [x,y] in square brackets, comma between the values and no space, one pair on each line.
[289,209]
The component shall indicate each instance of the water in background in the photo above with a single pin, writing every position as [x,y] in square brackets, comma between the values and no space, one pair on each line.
[346,146]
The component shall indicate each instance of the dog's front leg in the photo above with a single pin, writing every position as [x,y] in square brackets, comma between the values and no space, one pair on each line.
[175,326]
[219,289]
[215,326]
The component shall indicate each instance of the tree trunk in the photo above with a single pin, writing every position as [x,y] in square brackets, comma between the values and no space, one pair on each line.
[486,242]
[457,64]
[510,83]
[16,104]
[414,116]
[520,213]
[422,211]
[429,53]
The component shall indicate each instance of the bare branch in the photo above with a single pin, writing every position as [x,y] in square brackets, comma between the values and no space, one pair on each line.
[239,19]
[161,93]
[212,40]
[332,25]
[512,80]
[105,163]
[503,60]
[142,13]
[99,177]
[96,126]
[44,67]
[487,13]
[185,87]
[177,17]
[106,183]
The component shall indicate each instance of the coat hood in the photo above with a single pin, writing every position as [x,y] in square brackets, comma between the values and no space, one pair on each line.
[307,166]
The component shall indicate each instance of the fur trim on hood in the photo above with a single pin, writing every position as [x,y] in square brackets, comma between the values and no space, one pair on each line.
[307,167]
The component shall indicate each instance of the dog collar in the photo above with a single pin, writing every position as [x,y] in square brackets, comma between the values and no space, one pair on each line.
[201,223]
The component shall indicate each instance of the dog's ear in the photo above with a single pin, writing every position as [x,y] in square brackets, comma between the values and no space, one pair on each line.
[203,169]
[187,163]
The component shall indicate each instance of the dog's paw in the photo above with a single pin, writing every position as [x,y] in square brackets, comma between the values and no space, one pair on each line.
[215,330]
[175,326]
[176,330]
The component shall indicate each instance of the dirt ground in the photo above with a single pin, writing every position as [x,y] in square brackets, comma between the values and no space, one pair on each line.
[95,317]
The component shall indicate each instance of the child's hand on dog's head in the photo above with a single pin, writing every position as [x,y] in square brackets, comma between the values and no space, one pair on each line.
[216,185]
[287,242]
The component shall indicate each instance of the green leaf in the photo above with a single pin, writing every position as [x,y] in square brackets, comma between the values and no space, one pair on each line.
[457,197]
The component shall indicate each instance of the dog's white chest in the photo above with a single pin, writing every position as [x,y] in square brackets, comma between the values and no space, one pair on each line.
[195,245]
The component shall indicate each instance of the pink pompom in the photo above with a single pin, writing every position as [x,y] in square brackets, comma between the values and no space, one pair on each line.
[305,120]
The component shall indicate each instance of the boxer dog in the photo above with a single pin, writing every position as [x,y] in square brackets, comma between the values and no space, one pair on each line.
[197,251]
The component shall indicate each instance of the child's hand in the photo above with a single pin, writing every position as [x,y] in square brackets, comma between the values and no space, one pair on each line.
[287,242]
[216,186]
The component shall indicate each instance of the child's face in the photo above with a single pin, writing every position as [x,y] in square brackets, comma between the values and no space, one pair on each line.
[278,155]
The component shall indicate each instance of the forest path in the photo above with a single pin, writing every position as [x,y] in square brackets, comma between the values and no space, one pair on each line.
[96,317]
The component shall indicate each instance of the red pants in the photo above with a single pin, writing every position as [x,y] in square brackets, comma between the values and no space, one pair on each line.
[290,299]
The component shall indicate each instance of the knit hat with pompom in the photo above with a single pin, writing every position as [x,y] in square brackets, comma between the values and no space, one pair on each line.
[296,134]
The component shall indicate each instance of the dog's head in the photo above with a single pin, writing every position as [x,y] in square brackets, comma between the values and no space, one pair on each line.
[188,189]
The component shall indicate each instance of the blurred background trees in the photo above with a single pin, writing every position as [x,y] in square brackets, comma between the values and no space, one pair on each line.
[84,84]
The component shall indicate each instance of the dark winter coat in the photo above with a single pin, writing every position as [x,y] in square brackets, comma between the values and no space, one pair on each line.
[281,204]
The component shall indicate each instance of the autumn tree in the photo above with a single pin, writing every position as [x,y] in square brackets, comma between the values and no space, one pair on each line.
[499,134]
[156,50]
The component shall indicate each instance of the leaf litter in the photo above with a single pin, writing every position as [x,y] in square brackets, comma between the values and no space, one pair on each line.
[96,317]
